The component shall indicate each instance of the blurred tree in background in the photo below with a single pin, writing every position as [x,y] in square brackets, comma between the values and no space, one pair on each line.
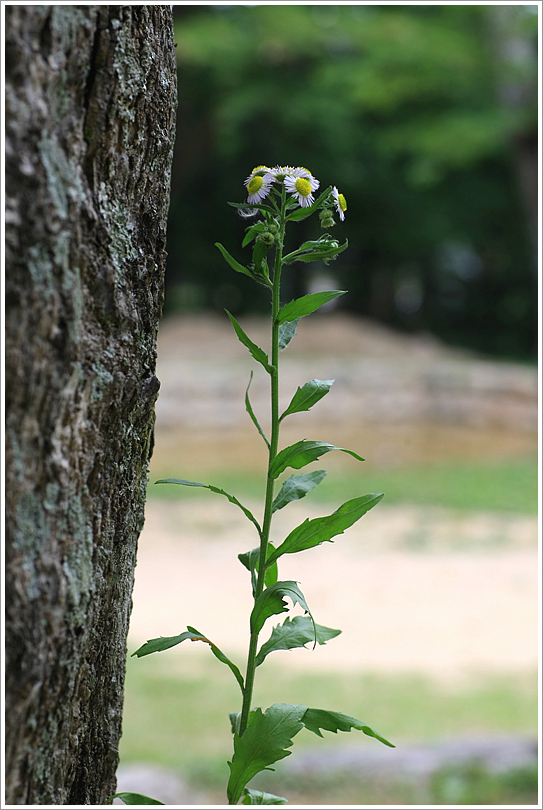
[425,117]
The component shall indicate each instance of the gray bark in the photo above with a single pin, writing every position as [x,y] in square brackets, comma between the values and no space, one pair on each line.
[90,112]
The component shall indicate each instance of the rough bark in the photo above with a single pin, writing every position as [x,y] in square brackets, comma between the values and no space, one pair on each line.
[90,111]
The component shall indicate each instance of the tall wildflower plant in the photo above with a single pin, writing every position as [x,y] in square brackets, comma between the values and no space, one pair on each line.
[278,197]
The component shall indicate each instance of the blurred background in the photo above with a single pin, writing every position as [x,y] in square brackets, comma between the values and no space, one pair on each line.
[425,117]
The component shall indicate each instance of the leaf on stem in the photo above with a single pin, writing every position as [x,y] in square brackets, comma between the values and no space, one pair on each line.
[301,453]
[296,487]
[312,533]
[251,413]
[307,396]
[239,268]
[302,213]
[306,305]
[166,642]
[316,719]
[264,741]
[219,491]
[255,350]
[272,601]
[295,633]
[253,206]
[315,253]
[287,331]
[251,796]
[250,560]
[134,798]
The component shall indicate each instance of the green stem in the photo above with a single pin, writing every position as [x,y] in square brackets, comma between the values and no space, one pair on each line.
[274,442]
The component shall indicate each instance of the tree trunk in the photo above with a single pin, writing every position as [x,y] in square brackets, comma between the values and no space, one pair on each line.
[90,112]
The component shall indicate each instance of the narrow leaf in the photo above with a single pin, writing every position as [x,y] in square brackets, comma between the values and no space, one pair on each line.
[166,642]
[296,487]
[251,413]
[272,601]
[219,491]
[219,655]
[301,453]
[308,395]
[252,206]
[306,305]
[134,798]
[255,350]
[286,332]
[316,719]
[293,634]
[251,796]
[312,533]
[239,268]
[315,251]
[263,742]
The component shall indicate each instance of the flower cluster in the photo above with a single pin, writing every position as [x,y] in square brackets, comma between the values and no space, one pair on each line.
[300,184]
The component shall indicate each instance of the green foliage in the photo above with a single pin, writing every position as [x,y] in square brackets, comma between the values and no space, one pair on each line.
[296,487]
[295,633]
[134,798]
[303,452]
[261,739]
[312,533]
[425,116]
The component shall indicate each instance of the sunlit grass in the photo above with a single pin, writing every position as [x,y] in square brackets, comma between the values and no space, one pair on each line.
[176,709]
[510,486]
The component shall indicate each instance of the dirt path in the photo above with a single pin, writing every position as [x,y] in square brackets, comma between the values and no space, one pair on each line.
[466,603]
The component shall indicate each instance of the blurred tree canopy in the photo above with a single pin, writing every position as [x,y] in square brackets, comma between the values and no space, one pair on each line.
[424,116]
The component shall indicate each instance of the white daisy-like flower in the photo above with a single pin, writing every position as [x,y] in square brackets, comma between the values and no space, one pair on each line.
[302,188]
[341,203]
[258,185]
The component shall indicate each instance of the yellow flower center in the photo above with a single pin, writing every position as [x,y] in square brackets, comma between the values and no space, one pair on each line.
[303,186]
[255,184]
[342,202]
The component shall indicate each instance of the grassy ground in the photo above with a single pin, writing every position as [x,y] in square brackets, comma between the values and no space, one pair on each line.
[176,715]
[509,485]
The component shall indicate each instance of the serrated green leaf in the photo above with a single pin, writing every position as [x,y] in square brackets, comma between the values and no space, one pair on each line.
[307,396]
[293,634]
[306,305]
[250,560]
[255,350]
[296,487]
[312,533]
[301,453]
[235,265]
[316,719]
[219,491]
[286,332]
[134,798]
[263,742]
[249,409]
[260,797]
[302,213]
[166,642]
[271,601]
[162,643]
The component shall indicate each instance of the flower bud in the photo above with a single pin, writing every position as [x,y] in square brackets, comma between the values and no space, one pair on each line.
[327,221]
[267,238]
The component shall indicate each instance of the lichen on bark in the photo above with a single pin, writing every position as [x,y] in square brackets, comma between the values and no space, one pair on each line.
[90,117]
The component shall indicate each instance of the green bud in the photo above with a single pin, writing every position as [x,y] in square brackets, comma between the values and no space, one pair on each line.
[327,222]
[267,238]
